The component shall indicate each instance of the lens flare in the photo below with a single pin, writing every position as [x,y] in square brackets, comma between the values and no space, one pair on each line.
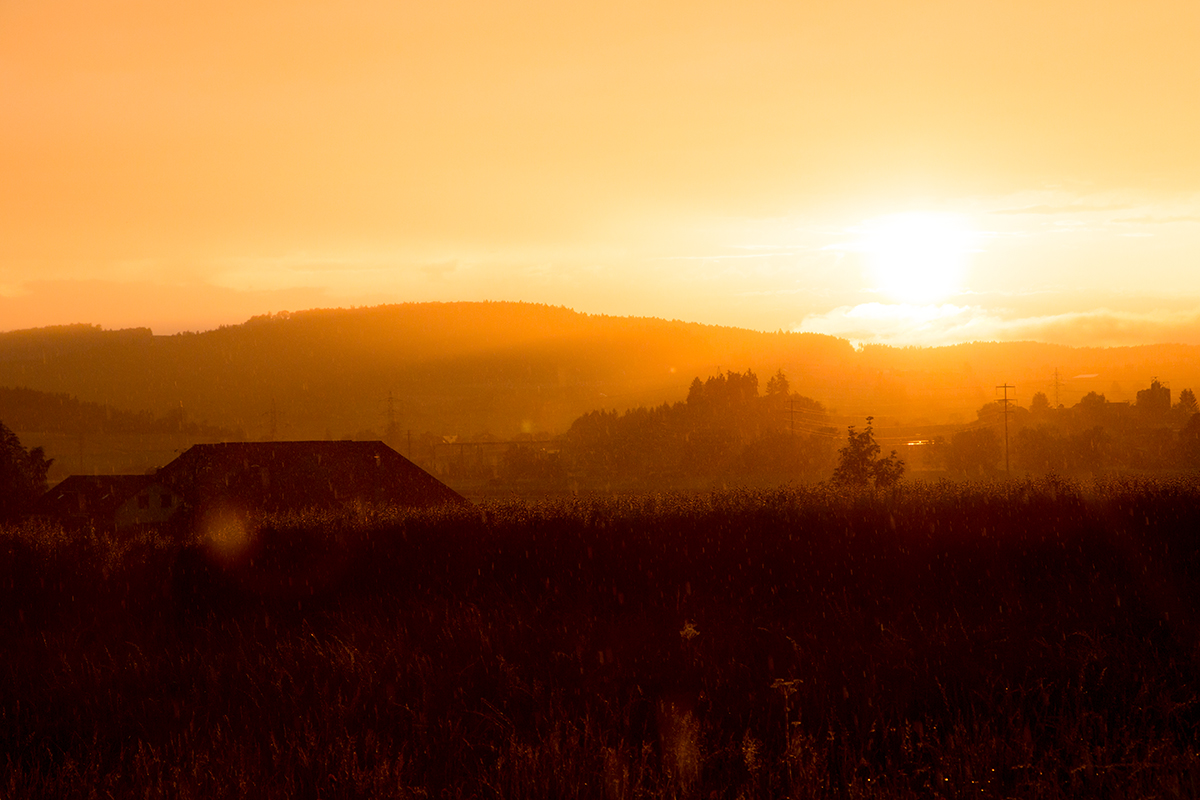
[226,535]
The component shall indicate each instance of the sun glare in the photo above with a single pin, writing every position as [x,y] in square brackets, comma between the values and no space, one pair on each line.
[916,257]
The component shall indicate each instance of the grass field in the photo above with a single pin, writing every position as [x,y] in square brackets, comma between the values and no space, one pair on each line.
[1036,639]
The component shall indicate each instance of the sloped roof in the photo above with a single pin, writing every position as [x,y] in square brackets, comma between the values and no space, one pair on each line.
[276,476]
[89,496]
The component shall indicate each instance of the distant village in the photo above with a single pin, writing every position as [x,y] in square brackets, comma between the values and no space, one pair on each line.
[726,432]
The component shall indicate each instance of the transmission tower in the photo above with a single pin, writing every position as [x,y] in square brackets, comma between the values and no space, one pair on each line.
[1006,387]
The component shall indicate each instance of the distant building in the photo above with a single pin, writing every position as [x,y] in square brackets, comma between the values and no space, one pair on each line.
[251,476]
[108,501]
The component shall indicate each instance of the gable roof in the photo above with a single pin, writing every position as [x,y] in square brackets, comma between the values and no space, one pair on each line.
[89,497]
[275,476]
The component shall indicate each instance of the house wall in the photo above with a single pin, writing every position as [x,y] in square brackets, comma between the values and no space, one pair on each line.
[153,505]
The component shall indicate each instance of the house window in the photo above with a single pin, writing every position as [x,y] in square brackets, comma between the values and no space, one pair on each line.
[166,501]
[143,501]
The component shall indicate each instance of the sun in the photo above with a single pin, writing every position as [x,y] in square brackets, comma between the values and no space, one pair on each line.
[916,257]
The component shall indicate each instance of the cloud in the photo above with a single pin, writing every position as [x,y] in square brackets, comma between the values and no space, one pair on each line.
[1107,328]
[930,326]
[440,270]
[899,323]
[1070,208]
[722,257]
[1150,220]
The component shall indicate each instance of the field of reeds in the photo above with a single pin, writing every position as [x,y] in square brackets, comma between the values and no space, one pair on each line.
[1033,639]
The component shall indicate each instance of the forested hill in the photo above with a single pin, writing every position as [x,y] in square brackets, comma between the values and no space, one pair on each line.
[453,368]
[507,368]
[30,410]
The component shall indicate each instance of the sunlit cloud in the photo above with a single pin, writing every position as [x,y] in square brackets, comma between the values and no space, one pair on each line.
[900,323]
[724,256]
[935,325]
[1011,267]
[1108,328]
[1179,220]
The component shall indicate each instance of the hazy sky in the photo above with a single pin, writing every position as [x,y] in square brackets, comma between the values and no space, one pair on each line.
[916,172]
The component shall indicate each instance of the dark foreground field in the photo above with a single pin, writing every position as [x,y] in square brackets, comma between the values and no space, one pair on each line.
[958,641]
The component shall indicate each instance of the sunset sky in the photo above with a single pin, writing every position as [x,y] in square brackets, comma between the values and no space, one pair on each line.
[909,173]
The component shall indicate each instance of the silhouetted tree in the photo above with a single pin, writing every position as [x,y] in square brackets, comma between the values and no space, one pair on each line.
[1154,402]
[723,428]
[1039,404]
[1189,443]
[859,464]
[1091,449]
[1040,450]
[1187,407]
[974,451]
[22,474]
[1092,409]
[532,464]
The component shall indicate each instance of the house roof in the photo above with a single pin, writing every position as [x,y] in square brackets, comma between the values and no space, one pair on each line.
[277,476]
[90,496]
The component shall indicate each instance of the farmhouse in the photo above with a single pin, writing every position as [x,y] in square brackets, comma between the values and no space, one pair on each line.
[108,501]
[252,476]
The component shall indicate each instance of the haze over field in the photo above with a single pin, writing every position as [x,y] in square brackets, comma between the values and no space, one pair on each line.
[917,173]
[424,374]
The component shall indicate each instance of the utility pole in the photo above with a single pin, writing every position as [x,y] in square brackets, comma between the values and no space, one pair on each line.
[1056,403]
[1006,387]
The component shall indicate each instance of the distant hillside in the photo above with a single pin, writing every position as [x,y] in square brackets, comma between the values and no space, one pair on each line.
[508,368]
[25,409]
[449,368]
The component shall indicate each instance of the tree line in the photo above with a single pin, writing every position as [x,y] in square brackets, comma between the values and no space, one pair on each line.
[25,409]
[724,430]
[1091,436]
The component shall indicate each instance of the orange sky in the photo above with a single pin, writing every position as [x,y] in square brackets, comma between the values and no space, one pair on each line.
[183,165]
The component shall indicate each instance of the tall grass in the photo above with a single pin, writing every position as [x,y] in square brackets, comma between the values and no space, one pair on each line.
[1037,639]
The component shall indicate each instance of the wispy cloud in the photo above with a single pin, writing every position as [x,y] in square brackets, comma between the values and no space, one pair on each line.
[440,270]
[722,256]
[1152,220]
[1066,208]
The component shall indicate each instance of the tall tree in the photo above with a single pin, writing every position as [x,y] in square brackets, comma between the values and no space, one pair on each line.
[22,474]
[1186,408]
[778,385]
